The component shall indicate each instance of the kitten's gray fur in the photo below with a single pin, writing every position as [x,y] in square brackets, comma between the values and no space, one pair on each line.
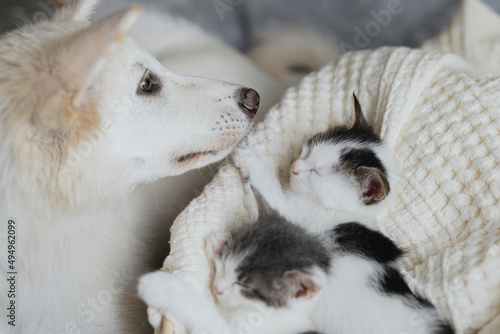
[277,248]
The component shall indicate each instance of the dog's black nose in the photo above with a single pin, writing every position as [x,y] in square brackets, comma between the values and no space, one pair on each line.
[248,100]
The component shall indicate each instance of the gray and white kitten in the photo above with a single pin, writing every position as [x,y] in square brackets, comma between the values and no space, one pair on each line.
[343,174]
[345,281]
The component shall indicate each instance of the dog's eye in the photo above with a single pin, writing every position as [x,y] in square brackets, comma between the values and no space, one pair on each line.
[146,84]
[149,84]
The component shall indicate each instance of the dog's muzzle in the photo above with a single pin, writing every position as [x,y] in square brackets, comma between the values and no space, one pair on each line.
[248,100]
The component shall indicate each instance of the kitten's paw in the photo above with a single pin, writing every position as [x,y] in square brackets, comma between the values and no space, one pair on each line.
[215,242]
[155,317]
[250,162]
[150,286]
[240,162]
[247,157]
[169,295]
[155,289]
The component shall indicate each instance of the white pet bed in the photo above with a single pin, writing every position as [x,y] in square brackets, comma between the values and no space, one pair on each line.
[441,115]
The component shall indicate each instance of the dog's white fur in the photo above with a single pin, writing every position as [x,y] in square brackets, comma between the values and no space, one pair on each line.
[76,139]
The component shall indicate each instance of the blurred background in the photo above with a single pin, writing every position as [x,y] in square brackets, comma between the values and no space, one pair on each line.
[239,21]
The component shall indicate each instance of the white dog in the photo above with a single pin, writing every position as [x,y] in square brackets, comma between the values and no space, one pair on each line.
[85,116]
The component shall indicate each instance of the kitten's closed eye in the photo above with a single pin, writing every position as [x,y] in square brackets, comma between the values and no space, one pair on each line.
[241,285]
[300,167]
[222,286]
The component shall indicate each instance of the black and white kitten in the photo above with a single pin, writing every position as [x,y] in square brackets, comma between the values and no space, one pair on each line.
[342,174]
[345,281]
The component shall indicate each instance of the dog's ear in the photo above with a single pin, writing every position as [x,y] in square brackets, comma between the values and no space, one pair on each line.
[84,54]
[78,10]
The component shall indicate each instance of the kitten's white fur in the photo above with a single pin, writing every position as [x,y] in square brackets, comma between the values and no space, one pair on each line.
[358,307]
[316,197]
[179,302]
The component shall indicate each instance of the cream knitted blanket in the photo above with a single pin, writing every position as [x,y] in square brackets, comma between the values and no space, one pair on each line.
[442,118]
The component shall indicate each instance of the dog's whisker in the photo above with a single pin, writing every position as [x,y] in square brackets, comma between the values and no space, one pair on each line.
[205,179]
[158,204]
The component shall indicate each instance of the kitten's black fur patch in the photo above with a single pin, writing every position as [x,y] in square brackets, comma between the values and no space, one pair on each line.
[276,246]
[444,328]
[344,133]
[359,239]
[392,283]
[358,131]
[354,158]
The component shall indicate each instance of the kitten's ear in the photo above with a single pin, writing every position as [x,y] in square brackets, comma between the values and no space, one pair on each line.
[215,242]
[358,120]
[263,206]
[373,186]
[304,285]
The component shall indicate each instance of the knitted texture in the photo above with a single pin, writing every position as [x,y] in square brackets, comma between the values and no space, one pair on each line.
[474,34]
[442,120]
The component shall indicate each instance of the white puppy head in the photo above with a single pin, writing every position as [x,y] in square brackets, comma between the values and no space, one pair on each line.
[83,106]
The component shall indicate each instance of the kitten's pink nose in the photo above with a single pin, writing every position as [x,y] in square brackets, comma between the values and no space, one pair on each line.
[298,167]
